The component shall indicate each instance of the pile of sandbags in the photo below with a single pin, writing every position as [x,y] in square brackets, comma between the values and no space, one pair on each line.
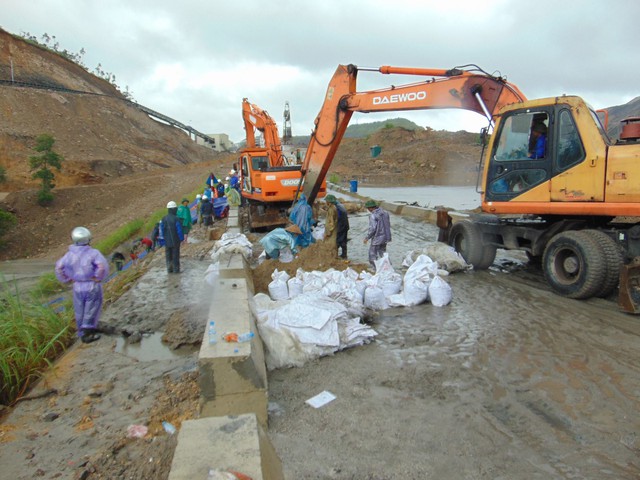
[318,313]
[231,243]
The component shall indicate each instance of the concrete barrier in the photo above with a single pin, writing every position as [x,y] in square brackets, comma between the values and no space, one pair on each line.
[233,376]
[229,443]
[231,433]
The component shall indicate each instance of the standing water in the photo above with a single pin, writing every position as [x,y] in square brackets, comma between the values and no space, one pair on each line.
[458,198]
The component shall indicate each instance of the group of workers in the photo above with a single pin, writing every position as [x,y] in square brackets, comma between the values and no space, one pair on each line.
[86,267]
[299,233]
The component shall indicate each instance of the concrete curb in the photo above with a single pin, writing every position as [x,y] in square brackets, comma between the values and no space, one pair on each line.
[425,214]
[231,433]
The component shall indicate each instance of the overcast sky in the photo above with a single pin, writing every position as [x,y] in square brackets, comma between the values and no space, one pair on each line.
[195,60]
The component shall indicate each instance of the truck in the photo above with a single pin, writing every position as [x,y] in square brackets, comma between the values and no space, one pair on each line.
[551,181]
[269,181]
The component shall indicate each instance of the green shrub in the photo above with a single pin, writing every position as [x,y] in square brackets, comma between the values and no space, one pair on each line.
[334,178]
[7,220]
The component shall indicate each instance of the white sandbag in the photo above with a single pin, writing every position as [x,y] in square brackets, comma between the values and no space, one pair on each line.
[409,258]
[231,243]
[295,286]
[353,333]
[440,292]
[212,273]
[351,274]
[383,265]
[285,255]
[318,232]
[374,298]
[446,257]
[278,289]
[391,284]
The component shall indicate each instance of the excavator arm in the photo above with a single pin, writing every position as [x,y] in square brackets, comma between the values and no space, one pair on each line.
[460,88]
[257,119]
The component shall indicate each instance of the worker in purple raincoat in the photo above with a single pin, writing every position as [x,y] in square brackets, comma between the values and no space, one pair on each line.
[379,231]
[86,267]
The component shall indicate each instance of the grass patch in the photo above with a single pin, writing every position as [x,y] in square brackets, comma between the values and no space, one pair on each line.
[47,286]
[120,236]
[32,336]
[334,178]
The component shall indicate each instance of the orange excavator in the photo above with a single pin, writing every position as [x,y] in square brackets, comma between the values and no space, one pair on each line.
[269,181]
[552,182]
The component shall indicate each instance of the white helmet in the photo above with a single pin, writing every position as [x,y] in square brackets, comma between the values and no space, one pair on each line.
[228,178]
[198,196]
[204,197]
[81,236]
[172,204]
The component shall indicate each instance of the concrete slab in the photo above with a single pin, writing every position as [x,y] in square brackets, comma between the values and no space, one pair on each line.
[236,443]
[233,370]
[232,265]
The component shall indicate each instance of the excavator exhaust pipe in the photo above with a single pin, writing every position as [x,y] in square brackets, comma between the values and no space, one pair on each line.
[629,296]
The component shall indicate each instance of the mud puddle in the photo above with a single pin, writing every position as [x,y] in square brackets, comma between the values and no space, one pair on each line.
[150,348]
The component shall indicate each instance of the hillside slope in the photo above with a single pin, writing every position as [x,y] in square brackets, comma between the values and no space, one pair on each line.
[99,134]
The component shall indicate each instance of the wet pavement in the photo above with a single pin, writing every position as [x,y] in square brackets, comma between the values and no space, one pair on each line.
[509,381]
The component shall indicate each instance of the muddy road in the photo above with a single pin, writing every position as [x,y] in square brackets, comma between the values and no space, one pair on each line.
[508,381]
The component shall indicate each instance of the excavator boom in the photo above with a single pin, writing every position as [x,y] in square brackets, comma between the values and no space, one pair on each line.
[257,119]
[455,88]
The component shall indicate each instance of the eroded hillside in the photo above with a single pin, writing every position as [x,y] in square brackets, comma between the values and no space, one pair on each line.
[99,134]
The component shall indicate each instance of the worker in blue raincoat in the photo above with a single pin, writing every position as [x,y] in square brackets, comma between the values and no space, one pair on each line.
[280,238]
[302,215]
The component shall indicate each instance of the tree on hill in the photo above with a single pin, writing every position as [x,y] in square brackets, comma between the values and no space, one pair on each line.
[42,164]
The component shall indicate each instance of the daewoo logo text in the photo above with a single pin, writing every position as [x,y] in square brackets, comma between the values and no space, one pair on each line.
[290,182]
[398,98]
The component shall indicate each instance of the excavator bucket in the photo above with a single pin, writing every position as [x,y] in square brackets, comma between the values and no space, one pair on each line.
[629,296]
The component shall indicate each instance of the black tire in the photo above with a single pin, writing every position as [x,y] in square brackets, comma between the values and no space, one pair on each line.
[574,265]
[466,239]
[613,261]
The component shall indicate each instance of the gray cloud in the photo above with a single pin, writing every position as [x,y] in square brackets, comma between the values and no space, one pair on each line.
[196,60]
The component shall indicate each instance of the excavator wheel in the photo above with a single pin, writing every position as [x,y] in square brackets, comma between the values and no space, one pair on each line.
[574,264]
[613,261]
[466,239]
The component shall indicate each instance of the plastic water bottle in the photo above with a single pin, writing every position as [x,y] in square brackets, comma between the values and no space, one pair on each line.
[169,428]
[245,337]
[212,332]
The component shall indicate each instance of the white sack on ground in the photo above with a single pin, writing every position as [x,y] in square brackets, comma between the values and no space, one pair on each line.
[278,289]
[318,233]
[444,255]
[440,292]
[285,255]
[383,265]
[295,286]
[211,275]
[231,243]
[415,284]
[374,298]
[306,327]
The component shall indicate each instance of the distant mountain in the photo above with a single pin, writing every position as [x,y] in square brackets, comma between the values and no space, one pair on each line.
[363,130]
[619,113]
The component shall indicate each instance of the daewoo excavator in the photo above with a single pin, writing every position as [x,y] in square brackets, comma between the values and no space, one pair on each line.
[571,200]
[269,183]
